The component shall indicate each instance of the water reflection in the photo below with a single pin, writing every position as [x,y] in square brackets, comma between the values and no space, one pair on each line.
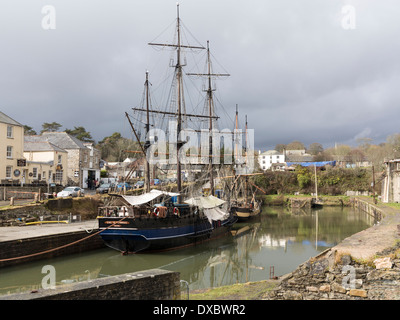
[278,239]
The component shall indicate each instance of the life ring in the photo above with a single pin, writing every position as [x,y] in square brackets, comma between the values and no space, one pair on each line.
[176,211]
[160,212]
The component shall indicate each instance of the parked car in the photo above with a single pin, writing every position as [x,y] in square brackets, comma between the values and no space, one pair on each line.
[120,186]
[70,192]
[139,184]
[104,187]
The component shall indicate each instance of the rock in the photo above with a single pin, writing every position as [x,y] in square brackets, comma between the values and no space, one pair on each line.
[319,267]
[292,295]
[358,293]
[358,283]
[346,259]
[325,288]
[312,289]
[338,288]
[383,263]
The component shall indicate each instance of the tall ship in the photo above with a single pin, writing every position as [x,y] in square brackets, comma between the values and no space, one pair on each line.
[160,220]
[244,204]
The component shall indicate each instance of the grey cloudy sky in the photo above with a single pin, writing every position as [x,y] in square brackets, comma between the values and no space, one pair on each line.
[295,70]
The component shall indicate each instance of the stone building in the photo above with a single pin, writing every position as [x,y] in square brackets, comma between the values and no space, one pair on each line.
[391,182]
[83,158]
[12,162]
[46,162]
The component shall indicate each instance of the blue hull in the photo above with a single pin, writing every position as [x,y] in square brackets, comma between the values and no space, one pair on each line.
[162,234]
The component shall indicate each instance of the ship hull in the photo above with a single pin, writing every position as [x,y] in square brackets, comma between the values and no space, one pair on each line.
[245,213]
[154,234]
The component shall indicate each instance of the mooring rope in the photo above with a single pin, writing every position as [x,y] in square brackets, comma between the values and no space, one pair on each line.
[61,247]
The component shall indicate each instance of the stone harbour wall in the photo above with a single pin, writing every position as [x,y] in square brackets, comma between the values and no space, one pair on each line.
[325,278]
[365,266]
[154,284]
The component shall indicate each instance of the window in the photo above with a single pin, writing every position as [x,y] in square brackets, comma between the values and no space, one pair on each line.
[59,175]
[9,152]
[34,172]
[8,172]
[9,131]
[59,159]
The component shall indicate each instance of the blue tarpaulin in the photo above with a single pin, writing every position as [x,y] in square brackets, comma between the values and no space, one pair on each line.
[312,164]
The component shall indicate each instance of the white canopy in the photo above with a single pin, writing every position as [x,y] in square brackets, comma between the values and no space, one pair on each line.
[215,214]
[147,197]
[208,202]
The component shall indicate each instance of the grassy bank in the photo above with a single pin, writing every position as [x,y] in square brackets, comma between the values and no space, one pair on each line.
[282,200]
[240,291]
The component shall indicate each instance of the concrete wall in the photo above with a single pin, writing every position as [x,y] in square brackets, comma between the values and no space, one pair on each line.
[28,246]
[391,182]
[154,284]
[19,192]
[369,208]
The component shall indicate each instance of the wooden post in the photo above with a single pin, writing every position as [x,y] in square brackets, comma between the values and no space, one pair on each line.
[11,201]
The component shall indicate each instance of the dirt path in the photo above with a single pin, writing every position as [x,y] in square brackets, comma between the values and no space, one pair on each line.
[365,244]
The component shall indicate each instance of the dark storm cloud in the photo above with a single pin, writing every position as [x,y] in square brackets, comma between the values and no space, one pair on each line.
[295,71]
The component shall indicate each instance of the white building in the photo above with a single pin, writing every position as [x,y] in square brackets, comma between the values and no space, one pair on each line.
[267,158]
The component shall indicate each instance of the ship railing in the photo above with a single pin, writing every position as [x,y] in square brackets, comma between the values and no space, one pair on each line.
[115,211]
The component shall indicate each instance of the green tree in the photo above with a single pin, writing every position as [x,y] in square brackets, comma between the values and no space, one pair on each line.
[114,147]
[28,131]
[50,127]
[280,147]
[81,134]
[295,145]
[303,177]
[315,148]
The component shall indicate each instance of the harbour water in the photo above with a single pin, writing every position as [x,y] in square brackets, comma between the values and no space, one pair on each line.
[271,245]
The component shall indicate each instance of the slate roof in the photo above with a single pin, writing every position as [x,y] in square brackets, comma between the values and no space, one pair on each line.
[270,153]
[6,119]
[39,143]
[64,140]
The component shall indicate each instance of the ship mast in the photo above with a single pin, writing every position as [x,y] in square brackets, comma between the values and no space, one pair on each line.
[178,75]
[147,143]
[178,69]
[209,91]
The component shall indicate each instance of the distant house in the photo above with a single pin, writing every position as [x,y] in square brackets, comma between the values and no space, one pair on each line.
[46,162]
[270,157]
[279,161]
[83,158]
[293,156]
[12,161]
[391,182]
